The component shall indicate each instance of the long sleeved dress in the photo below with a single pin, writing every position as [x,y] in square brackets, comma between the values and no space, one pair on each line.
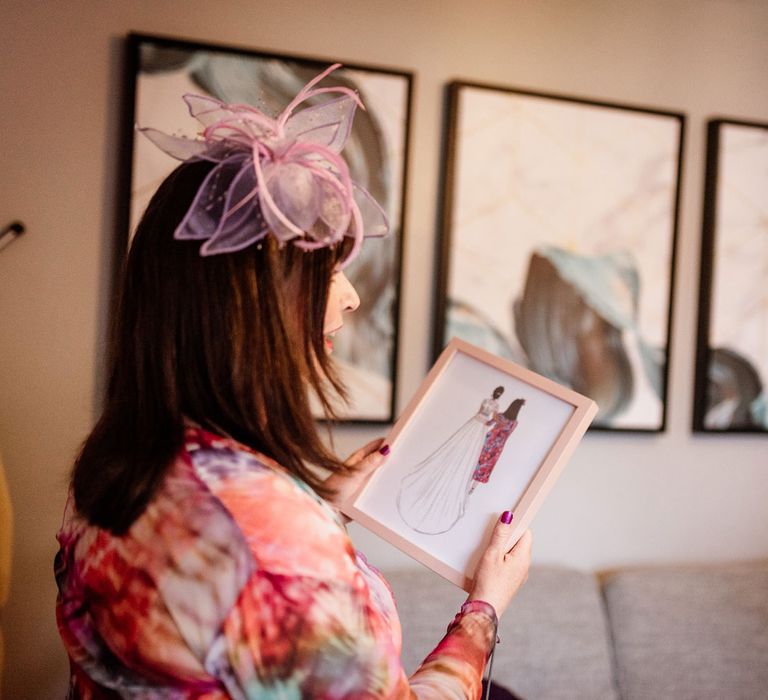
[239,581]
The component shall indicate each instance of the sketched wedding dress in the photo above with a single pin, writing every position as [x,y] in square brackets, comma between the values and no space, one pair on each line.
[433,496]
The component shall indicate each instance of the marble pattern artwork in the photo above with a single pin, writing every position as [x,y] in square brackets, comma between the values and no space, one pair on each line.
[736,369]
[562,229]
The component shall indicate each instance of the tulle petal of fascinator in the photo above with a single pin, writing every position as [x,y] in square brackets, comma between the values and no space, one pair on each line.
[281,176]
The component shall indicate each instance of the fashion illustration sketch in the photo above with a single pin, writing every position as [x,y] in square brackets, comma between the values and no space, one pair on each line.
[433,496]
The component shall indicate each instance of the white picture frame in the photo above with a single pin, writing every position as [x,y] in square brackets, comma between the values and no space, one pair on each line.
[463,452]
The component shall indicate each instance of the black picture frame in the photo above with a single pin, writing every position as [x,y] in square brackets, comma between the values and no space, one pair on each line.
[731,379]
[159,69]
[505,152]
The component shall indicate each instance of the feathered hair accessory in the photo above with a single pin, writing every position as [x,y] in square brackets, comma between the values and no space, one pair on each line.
[282,176]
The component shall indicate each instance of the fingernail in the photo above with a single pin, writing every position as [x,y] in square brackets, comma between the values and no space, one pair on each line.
[506,517]
[384,450]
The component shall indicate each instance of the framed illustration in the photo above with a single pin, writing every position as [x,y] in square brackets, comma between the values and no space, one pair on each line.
[558,242]
[731,388]
[161,70]
[482,435]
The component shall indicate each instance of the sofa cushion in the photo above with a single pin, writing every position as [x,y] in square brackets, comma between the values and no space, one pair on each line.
[426,604]
[554,638]
[693,632]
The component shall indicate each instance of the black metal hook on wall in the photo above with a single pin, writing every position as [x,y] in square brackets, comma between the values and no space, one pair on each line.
[10,233]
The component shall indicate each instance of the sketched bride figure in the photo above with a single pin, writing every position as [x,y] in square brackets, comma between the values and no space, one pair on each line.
[433,495]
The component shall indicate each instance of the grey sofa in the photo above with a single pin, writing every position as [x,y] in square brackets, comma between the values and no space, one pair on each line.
[695,632]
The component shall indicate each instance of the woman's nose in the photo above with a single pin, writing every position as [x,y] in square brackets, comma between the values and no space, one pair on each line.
[347,293]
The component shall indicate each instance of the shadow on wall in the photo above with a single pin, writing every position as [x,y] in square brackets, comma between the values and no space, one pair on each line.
[6,537]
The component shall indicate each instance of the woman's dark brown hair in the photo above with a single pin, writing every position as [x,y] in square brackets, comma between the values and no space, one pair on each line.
[232,342]
[514,409]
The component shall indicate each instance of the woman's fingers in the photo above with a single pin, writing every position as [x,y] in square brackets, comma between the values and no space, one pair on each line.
[523,546]
[365,451]
[368,458]
[364,462]
[500,535]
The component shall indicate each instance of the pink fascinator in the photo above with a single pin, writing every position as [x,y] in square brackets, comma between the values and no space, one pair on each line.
[283,176]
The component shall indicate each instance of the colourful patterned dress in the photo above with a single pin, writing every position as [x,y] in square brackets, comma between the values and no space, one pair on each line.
[238,581]
[493,446]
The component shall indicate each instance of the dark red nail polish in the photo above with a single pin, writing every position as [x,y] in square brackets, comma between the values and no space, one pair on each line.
[384,449]
[506,517]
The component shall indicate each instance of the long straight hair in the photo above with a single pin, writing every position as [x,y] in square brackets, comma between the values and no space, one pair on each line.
[233,342]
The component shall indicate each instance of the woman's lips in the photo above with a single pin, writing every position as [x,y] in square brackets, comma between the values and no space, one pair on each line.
[329,339]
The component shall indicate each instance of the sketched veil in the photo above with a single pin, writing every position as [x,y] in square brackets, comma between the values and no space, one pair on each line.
[433,496]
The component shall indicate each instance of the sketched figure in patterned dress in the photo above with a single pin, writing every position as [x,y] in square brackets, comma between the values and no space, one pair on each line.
[433,496]
[504,425]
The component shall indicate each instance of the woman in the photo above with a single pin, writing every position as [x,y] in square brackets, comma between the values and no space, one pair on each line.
[201,555]
[433,495]
[504,425]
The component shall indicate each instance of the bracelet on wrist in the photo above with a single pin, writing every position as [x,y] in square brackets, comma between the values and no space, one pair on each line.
[479,606]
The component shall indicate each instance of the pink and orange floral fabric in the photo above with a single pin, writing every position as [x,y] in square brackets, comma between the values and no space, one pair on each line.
[493,446]
[238,581]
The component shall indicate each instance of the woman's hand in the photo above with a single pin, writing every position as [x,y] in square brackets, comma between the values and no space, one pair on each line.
[502,571]
[365,461]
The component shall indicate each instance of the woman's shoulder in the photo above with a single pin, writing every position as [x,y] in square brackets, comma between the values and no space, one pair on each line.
[222,509]
[288,528]
[222,514]
[134,588]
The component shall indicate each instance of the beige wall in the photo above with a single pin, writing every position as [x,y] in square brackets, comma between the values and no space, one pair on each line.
[624,498]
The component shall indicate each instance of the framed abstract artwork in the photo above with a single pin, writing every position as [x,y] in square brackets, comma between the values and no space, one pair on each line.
[558,242]
[161,70]
[481,435]
[731,388]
